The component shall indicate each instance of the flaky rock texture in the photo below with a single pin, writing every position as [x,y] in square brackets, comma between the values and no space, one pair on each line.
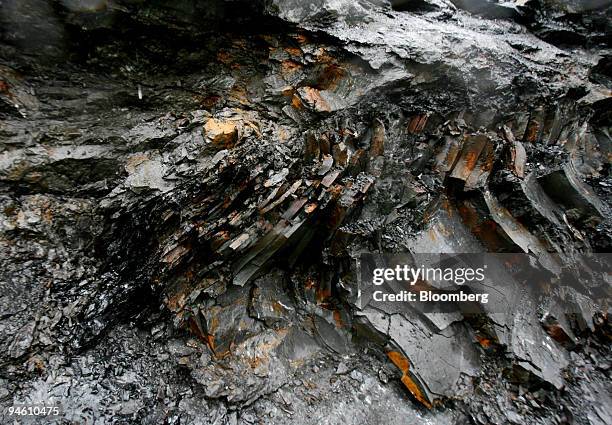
[186,187]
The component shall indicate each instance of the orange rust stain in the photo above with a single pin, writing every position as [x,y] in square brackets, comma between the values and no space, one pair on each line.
[421,285]
[338,213]
[557,333]
[10,210]
[346,132]
[415,390]
[4,87]
[532,130]
[227,201]
[422,123]
[358,158]
[470,160]
[47,215]
[469,216]
[313,97]
[484,342]
[399,360]
[296,102]
[310,208]
[485,230]
[38,363]
[175,302]
[403,364]
[323,294]
[255,362]
[224,57]
[377,145]
[488,163]
[330,76]
[189,274]
[417,124]
[323,56]
[413,125]
[338,318]
[277,307]
[301,38]
[289,68]
[210,101]
[210,340]
[240,94]
[214,323]
[335,191]
[293,51]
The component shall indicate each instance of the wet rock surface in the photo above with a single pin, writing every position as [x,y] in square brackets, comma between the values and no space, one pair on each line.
[186,188]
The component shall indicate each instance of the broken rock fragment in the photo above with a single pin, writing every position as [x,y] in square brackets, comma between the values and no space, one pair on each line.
[321,100]
[221,134]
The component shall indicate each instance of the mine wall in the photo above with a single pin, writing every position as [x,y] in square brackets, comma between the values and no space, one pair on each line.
[187,190]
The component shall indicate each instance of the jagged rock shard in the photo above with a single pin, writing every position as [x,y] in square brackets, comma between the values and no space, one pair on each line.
[270,302]
[227,322]
[566,188]
[535,350]
[469,167]
[435,360]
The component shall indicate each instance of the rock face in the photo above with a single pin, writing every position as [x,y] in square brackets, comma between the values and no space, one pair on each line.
[186,188]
